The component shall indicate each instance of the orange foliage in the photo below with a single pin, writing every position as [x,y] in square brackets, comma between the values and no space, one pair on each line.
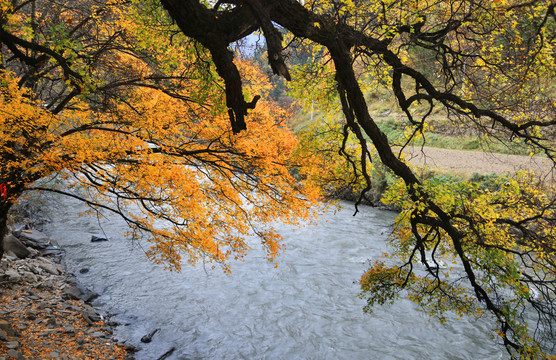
[159,150]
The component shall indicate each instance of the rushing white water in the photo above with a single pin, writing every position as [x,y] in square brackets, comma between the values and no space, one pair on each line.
[307,308]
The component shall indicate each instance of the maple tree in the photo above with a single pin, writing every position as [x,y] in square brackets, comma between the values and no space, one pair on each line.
[107,102]
[487,65]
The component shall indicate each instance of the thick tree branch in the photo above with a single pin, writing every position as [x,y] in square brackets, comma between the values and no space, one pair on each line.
[216,31]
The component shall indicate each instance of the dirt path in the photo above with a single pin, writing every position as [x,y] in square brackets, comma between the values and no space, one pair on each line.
[469,162]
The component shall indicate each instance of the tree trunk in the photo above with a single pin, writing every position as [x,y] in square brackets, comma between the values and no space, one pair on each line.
[4,209]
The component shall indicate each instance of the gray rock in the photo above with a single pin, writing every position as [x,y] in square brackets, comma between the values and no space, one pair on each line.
[3,335]
[13,245]
[88,295]
[97,334]
[34,239]
[35,269]
[49,332]
[31,315]
[12,353]
[149,337]
[90,315]
[13,275]
[72,292]
[18,228]
[49,268]
[130,348]
[9,256]
[12,344]
[99,237]
[29,277]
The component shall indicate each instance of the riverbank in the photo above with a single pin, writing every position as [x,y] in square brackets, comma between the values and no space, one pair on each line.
[44,315]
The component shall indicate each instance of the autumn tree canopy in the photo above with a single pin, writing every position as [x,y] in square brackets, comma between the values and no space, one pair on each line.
[146,109]
[107,102]
[487,65]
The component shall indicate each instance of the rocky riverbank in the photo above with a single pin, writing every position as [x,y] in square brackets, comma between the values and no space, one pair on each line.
[43,313]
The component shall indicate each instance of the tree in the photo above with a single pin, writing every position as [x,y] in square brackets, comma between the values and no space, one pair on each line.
[489,65]
[107,102]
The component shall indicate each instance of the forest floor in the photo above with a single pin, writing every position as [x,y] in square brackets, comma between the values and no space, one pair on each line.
[466,163]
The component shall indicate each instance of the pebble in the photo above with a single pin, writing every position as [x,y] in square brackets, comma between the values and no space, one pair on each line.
[49,332]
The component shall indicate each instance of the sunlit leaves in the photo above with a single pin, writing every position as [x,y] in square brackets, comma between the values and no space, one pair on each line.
[149,137]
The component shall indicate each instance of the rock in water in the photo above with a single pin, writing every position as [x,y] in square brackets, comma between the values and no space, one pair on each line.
[99,237]
[148,338]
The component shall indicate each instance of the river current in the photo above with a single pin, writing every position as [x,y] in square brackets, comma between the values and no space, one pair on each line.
[306,308]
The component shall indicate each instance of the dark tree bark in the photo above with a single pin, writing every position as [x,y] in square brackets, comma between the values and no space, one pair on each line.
[216,33]
[4,210]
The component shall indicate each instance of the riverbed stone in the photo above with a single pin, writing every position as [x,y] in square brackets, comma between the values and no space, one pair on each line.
[149,337]
[71,292]
[88,296]
[90,315]
[49,268]
[29,277]
[13,275]
[99,238]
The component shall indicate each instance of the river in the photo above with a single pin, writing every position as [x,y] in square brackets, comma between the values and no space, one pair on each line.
[306,308]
